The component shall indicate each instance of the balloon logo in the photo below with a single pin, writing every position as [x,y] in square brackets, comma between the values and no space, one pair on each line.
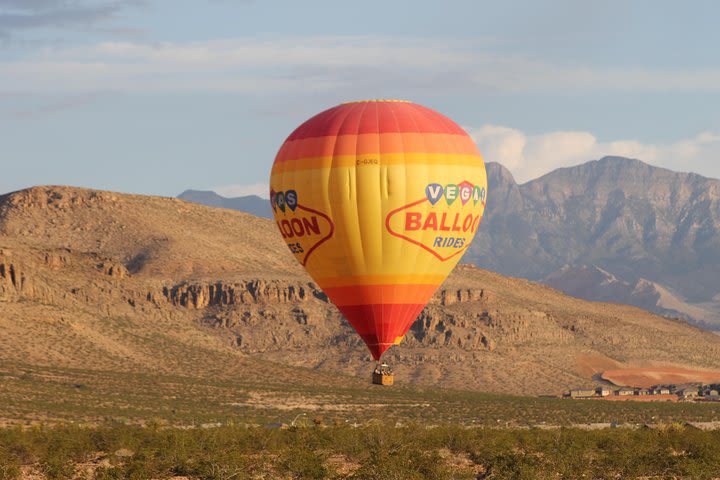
[378,200]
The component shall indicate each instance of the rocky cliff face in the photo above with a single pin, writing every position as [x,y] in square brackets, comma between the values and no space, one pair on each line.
[18,279]
[251,292]
[125,282]
[624,216]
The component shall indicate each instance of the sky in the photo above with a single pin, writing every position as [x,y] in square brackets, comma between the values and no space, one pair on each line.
[159,96]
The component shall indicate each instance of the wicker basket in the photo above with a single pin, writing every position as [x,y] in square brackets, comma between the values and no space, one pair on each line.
[382,378]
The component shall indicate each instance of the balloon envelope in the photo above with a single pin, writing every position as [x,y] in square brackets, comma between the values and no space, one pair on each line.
[378,200]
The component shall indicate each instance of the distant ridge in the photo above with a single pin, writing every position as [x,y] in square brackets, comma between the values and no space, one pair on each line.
[253,204]
[593,283]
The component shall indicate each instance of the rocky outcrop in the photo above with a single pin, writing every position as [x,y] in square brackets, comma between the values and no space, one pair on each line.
[60,198]
[251,292]
[113,269]
[19,281]
[64,277]
[451,296]
[12,279]
[481,329]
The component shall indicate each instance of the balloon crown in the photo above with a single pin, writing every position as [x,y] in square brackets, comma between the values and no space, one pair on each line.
[378,100]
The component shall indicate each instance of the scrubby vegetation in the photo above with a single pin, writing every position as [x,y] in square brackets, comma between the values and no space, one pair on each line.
[371,452]
[48,395]
[63,423]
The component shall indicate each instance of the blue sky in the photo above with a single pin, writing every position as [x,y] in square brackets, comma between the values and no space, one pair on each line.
[158,96]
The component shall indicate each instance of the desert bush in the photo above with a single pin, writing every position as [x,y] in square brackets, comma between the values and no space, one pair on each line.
[9,465]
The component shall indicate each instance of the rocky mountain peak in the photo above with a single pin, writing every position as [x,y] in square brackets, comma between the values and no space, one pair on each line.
[629,218]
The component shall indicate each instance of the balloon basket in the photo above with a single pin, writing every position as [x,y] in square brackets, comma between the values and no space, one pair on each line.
[382,375]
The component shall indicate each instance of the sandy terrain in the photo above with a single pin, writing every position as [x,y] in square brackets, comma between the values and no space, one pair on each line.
[646,377]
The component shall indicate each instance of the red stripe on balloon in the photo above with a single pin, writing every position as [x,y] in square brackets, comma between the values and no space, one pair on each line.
[379,325]
[375,117]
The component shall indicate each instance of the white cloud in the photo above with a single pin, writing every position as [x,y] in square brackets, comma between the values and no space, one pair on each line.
[530,156]
[351,65]
[259,189]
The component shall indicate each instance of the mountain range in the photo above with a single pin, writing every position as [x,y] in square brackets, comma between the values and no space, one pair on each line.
[249,203]
[643,225]
[116,282]
[614,229]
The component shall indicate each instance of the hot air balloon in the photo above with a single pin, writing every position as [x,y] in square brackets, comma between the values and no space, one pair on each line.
[378,200]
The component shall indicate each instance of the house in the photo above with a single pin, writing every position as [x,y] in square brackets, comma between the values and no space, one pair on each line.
[603,391]
[687,393]
[642,391]
[625,391]
[711,393]
[661,389]
[582,393]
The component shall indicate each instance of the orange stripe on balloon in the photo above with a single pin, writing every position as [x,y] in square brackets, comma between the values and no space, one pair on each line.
[376,144]
[412,158]
[347,281]
[394,293]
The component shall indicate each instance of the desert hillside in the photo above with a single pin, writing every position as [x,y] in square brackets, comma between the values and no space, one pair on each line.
[102,280]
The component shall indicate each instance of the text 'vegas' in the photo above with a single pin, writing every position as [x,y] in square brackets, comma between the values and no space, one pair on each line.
[464,191]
